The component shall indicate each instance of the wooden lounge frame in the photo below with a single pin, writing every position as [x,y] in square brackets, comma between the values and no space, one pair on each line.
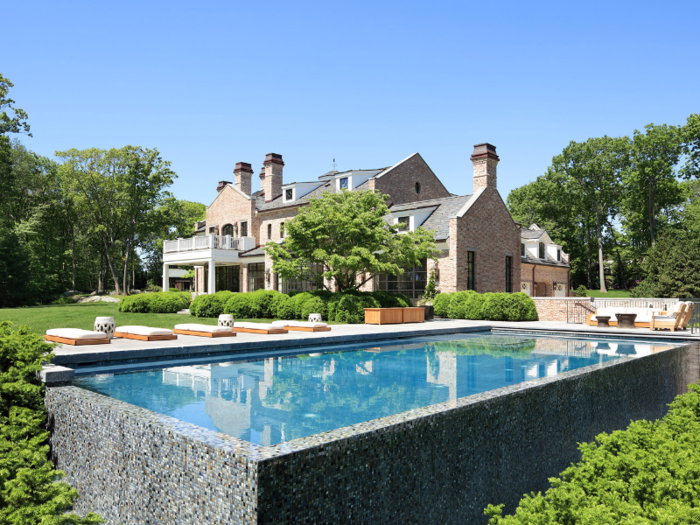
[308,328]
[669,324]
[76,342]
[688,314]
[264,331]
[204,334]
[161,337]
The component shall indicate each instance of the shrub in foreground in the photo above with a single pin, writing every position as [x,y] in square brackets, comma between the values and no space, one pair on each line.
[30,490]
[441,304]
[210,305]
[648,473]
[486,306]
[160,302]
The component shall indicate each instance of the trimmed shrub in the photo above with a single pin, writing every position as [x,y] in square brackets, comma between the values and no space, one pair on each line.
[64,300]
[210,305]
[456,310]
[284,307]
[474,305]
[647,473]
[31,490]
[314,305]
[521,307]
[299,300]
[351,308]
[261,303]
[161,302]
[582,291]
[495,307]
[239,306]
[441,304]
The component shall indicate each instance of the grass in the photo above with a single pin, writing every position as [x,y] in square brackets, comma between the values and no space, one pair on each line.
[612,294]
[42,318]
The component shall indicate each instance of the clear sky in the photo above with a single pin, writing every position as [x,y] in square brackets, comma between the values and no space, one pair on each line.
[368,83]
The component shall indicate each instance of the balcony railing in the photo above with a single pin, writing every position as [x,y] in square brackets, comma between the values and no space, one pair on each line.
[204,242]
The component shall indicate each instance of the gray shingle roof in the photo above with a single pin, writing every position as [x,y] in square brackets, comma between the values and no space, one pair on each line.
[260,250]
[550,261]
[439,220]
[278,203]
[531,234]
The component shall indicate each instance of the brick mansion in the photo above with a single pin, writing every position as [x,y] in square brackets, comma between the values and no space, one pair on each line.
[481,247]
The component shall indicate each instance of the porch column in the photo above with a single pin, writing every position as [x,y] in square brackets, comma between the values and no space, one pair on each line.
[166,277]
[212,276]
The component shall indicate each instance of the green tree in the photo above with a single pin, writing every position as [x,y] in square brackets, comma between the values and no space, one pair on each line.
[347,234]
[12,119]
[597,167]
[15,272]
[691,146]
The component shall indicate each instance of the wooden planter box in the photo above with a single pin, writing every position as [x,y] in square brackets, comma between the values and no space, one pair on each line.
[414,315]
[384,315]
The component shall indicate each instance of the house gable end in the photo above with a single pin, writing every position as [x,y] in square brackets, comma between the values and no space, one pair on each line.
[410,180]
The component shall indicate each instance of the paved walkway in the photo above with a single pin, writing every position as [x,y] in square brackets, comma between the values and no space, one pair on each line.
[128,349]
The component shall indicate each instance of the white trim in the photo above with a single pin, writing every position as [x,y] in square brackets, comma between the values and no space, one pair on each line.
[461,213]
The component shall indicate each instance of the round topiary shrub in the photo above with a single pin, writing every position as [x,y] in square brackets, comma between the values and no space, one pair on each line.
[134,304]
[473,306]
[299,300]
[159,302]
[239,306]
[261,303]
[314,305]
[441,304]
[284,307]
[520,307]
[456,310]
[211,305]
[495,306]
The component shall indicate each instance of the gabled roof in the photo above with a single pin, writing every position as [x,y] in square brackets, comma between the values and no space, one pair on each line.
[531,234]
[439,220]
[278,202]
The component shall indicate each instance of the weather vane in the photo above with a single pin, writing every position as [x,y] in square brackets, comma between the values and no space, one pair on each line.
[333,164]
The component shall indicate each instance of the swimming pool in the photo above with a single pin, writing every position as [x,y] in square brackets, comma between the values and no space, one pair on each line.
[274,400]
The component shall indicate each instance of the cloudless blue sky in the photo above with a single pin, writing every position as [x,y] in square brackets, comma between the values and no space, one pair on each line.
[368,83]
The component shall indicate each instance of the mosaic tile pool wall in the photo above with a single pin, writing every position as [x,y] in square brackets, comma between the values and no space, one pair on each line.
[439,464]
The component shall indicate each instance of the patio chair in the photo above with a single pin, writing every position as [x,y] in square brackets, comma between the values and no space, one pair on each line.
[689,307]
[76,337]
[302,326]
[258,328]
[203,330]
[144,333]
[669,322]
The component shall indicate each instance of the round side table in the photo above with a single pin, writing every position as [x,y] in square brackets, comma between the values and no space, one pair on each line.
[226,320]
[315,318]
[106,325]
[603,321]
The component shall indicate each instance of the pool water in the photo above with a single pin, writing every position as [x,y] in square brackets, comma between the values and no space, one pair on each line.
[277,399]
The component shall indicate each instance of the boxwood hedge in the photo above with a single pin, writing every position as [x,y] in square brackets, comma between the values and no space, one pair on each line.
[488,306]
[156,303]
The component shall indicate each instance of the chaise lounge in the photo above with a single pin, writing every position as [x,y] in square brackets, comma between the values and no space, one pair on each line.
[671,322]
[203,330]
[76,337]
[144,333]
[258,328]
[302,326]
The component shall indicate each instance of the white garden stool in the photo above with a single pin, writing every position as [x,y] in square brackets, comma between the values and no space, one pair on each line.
[105,325]
[226,320]
[315,318]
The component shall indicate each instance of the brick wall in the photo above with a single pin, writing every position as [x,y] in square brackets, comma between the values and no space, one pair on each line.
[230,207]
[554,308]
[400,182]
[545,277]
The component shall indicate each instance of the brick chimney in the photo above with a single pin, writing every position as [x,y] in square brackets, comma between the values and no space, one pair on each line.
[222,184]
[271,176]
[485,161]
[244,175]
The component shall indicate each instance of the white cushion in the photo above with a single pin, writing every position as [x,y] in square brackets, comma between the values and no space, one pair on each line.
[202,328]
[143,330]
[75,333]
[256,326]
[305,324]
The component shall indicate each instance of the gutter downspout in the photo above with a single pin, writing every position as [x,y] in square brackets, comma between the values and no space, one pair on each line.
[533,281]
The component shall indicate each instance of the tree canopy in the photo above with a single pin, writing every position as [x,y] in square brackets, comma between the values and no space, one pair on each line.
[346,234]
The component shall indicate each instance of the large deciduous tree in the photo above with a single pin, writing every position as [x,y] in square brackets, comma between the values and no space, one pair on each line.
[348,236]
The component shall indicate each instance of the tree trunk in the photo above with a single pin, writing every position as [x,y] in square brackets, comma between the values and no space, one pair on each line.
[72,254]
[112,268]
[601,268]
[590,255]
[101,274]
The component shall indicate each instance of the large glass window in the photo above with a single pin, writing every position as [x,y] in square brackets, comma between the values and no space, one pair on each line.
[301,285]
[244,229]
[227,230]
[228,278]
[288,194]
[412,282]
[269,231]
[256,277]
[522,249]
[471,271]
[281,230]
[344,183]
[509,274]
[542,255]
[403,223]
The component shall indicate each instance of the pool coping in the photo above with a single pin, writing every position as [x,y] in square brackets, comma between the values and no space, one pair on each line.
[393,423]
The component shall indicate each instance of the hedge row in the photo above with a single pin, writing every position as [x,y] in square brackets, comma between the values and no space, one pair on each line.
[347,307]
[156,303]
[648,473]
[487,306]
[30,492]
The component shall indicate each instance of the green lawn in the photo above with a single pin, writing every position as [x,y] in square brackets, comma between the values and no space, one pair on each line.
[612,294]
[42,318]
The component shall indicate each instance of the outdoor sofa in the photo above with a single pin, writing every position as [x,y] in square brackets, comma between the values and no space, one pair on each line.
[643,319]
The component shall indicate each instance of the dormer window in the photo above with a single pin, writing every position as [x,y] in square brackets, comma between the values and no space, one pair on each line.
[403,223]
[542,251]
[344,183]
[289,194]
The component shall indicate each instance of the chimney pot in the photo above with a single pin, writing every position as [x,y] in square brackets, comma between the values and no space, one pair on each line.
[222,184]
[273,158]
[271,176]
[243,173]
[485,160]
[243,166]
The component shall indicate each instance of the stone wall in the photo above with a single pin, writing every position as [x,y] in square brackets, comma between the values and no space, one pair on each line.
[441,464]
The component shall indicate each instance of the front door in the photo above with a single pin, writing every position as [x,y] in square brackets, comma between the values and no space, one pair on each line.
[560,290]
[525,287]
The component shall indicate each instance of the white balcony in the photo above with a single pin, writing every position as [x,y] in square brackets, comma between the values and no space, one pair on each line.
[199,250]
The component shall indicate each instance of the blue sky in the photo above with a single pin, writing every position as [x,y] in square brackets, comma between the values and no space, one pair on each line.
[368,83]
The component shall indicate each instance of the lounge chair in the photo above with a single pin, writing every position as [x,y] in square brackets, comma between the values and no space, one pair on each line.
[258,328]
[689,307]
[302,326]
[76,337]
[144,333]
[203,330]
[671,321]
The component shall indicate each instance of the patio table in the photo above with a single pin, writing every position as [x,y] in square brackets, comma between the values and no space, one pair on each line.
[625,320]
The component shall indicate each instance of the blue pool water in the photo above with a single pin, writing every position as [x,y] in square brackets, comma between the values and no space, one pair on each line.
[278,399]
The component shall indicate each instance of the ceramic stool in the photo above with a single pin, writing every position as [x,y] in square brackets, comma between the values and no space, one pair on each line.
[226,320]
[315,318]
[106,325]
